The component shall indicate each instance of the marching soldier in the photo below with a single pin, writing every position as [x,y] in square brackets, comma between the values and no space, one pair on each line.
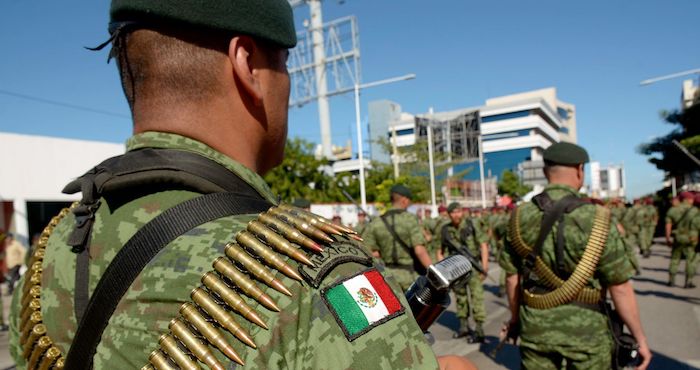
[648,219]
[361,222]
[397,239]
[178,255]
[679,225]
[547,239]
[460,236]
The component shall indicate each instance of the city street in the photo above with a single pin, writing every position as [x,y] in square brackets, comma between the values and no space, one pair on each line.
[671,318]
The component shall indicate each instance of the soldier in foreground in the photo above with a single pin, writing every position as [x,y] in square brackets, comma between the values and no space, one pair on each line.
[682,237]
[232,277]
[548,239]
[461,237]
[396,237]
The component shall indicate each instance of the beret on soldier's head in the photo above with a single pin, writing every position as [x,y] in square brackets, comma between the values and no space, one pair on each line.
[270,20]
[686,195]
[564,153]
[442,208]
[453,206]
[301,203]
[401,190]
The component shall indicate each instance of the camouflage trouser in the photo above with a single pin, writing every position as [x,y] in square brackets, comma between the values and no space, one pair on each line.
[677,252]
[403,277]
[476,291]
[644,241]
[538,360]
[650,235]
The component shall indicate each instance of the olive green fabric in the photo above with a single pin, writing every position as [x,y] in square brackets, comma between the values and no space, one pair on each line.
[379,239]
[685,221]
[270,20]
[452,207]
[304,335]
[476,289]
[565,154]
[569,330]
[401,190]
[599,359]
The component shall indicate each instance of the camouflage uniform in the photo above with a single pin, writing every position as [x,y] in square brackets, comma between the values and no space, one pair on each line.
[399,262]
[434,226]
[579,335]
[304,335]
[499,232]
[646,219]
[631,238]
[476,288]
[685,237]
[361,226]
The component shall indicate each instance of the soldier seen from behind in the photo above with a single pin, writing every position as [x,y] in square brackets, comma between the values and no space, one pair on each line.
[682,237]
[556,306]
[396,237]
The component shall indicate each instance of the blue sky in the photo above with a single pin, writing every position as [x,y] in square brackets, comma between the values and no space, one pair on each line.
[463,52]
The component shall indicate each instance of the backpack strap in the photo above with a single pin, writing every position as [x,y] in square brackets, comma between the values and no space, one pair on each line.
[137,253]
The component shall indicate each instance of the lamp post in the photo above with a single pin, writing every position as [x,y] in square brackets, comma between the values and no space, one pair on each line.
[360,146]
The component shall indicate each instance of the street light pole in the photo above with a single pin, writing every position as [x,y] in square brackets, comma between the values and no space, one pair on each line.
[358,127]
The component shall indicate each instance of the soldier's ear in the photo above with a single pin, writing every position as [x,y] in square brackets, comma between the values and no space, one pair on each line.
[242,55]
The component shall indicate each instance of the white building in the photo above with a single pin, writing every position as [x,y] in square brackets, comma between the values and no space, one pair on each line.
[515,129]
[34,170]
[607,182]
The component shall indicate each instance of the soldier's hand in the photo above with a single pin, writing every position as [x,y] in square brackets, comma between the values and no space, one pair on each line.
[451,362]
[482,277]
[669,242]
[646,355]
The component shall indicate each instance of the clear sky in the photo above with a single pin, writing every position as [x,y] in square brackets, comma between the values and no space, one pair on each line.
[463,52]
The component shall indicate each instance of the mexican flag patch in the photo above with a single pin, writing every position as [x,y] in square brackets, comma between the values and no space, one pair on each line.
[362,302]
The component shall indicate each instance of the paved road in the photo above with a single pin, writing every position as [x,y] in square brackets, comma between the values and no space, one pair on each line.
[671,319]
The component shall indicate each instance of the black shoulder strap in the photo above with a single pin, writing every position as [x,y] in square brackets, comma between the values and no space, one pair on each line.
[136,254]
[553,211]
[396,237]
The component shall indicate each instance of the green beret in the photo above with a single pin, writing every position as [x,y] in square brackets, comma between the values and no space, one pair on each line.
[301,203]
[270,20]
[453,206]
[401,190]
[567,154]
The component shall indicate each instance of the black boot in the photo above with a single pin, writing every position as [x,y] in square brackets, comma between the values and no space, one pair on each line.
[671,282]
[689,284]
[463,329]
[477,335]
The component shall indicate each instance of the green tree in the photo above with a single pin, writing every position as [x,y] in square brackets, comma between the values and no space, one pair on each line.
[510,185]
[661,150]
[302,175]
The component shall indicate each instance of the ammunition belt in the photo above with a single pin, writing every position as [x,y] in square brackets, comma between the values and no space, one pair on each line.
[574,288]
[215,305]
[37,347]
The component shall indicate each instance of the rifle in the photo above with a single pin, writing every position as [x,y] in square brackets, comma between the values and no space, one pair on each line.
[508,332]
[476,264]
[352,200]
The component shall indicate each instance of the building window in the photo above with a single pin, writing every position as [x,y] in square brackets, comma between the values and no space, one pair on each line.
[503,116]
[406,131]
[563,113]
[506,135]
[564,130]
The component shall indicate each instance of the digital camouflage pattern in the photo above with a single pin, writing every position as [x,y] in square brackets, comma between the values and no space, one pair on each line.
[646,219]
[434,225]
[304,335]
[685,230]
[398,261]
[577,333]
[475,285]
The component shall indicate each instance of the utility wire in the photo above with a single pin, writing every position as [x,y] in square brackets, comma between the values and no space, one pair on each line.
[62,104]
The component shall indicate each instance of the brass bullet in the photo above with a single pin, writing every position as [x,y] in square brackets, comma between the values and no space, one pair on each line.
[248,240]
[301,225]
[34,305]
[49,357]
[182,359]
[313,220]
[160,361]
[231,298]
[34,318]
[38,331]
[236,253]
[37,256]
[202,298]
[147,367]
[41,346]
[190,312]
[289,232]
[60,363]
[200,349]
[309,215]
[227,269]
[355,237]
[276,241]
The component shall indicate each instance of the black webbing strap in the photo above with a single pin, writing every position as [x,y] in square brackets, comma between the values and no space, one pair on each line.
[136,254]
[417,265]
[551,214]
